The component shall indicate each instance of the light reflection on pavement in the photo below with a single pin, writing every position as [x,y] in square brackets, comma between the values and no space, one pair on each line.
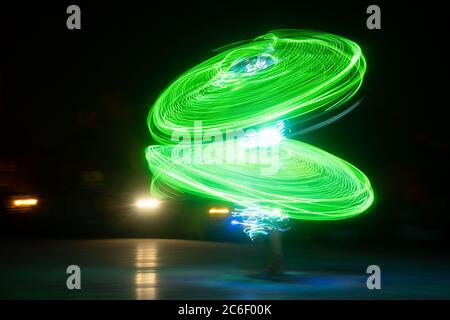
[182,269]
[146,280]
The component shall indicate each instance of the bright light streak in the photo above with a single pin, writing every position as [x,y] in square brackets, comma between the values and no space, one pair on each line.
[147,203]
[219,211]
[256,222]
[25,202]
[269,136]
[263,138]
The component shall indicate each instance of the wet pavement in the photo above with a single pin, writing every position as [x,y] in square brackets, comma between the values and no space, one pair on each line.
[182,269]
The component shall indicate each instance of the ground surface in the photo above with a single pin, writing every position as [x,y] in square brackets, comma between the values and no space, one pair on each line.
[180,269]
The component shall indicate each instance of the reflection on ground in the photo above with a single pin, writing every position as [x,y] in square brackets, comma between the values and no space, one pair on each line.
[146,273]
[180,269]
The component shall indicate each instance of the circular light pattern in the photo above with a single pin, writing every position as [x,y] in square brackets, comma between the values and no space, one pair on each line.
[300,76]
[309,183]
[283,75]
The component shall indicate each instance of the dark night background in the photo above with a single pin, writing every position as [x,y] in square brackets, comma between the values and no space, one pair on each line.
[74,105]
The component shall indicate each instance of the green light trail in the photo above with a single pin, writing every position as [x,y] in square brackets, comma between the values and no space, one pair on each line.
[300,76]
[310,184]
[310,74]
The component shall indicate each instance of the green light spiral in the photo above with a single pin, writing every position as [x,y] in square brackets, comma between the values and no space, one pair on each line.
[294,75]
[313,73]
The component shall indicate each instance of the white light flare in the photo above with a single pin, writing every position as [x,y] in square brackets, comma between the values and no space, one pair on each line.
[147,203]
[264,137]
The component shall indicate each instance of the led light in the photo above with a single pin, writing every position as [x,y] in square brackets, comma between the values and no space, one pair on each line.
[219,211]
[253,64]
[256,222]
[269,137]
[25,202]
[147,203]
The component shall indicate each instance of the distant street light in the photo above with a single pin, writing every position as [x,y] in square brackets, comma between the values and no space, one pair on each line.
[25,202]
[147,203]
[219,211]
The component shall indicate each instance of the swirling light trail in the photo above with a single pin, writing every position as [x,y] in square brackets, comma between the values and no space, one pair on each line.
[305,77]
